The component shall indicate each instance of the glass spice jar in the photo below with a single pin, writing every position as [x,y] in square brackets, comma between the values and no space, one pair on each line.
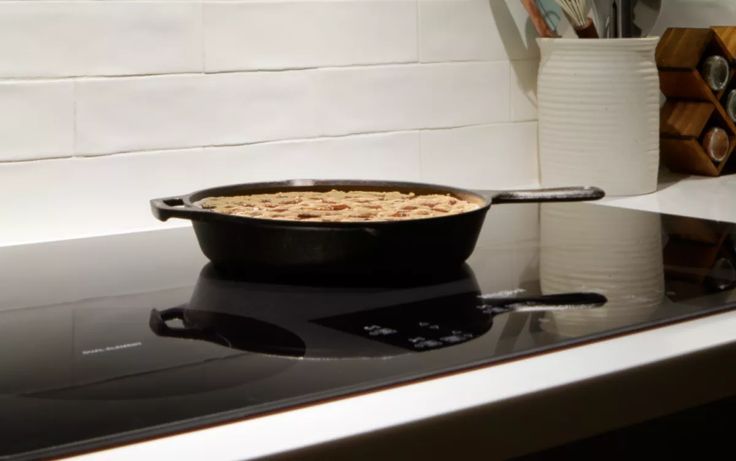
[716,143]
[731,104]
[716,72]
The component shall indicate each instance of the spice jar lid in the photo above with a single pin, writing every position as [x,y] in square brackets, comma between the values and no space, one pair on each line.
[716,72]
[716,143]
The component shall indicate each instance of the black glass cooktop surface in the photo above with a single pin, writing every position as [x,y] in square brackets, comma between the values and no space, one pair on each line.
[113,339]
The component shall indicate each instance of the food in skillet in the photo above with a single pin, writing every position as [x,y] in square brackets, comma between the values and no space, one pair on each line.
[338,206]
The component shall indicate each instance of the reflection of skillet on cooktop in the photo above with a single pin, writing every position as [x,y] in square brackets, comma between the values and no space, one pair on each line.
[233,331]
[345,319]
[104,349]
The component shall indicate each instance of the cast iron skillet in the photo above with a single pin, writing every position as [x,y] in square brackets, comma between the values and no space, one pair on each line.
[292,247]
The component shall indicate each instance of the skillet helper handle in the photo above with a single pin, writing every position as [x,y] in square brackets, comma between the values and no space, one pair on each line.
[559,194]
[157,322]
[544,303]
[174,207]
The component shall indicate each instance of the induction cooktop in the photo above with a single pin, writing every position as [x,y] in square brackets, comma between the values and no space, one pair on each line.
[115,339]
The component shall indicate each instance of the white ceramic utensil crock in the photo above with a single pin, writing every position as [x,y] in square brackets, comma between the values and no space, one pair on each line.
[599,114]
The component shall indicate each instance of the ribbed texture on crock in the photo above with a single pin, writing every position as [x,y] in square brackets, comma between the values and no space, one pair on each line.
[599,114]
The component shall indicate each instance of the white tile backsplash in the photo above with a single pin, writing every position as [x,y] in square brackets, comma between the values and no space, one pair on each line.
[145,98]
[140,113]
[111,193]
[457,30]
[375,156]
[59,39]
[258,106]
[523,90]
[515,29]
[465,30]
[694,13]
[498,156]
[36,120]
[121,115]
[93,195]
[289,34]
[355,100]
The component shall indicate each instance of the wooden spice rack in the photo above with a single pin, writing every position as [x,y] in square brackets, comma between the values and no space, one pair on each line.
[692,107]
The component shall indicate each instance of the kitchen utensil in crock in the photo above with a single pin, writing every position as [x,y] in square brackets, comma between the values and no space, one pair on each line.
[537,19]
[576,12]
[626,18]
[417,245]
[612,18]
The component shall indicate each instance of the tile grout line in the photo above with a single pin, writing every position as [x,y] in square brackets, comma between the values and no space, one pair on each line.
[420,142]
[202,38]
[419,131]
[74,117]
[418,33]
[40,79]
[510,89]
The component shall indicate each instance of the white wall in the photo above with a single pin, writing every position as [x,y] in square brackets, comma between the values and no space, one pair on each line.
[695,13]
[105,104]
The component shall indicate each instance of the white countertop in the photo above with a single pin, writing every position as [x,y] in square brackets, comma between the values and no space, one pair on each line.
[513,407]
[697,196]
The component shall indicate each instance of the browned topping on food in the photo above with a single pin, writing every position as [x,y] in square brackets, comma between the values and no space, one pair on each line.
[339,206]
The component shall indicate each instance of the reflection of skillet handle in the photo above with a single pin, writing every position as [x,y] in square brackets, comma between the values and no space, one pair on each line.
[560,194]
[158,320]
[559,302]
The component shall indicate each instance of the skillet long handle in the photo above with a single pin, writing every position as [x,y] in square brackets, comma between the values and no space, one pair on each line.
[559,194]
